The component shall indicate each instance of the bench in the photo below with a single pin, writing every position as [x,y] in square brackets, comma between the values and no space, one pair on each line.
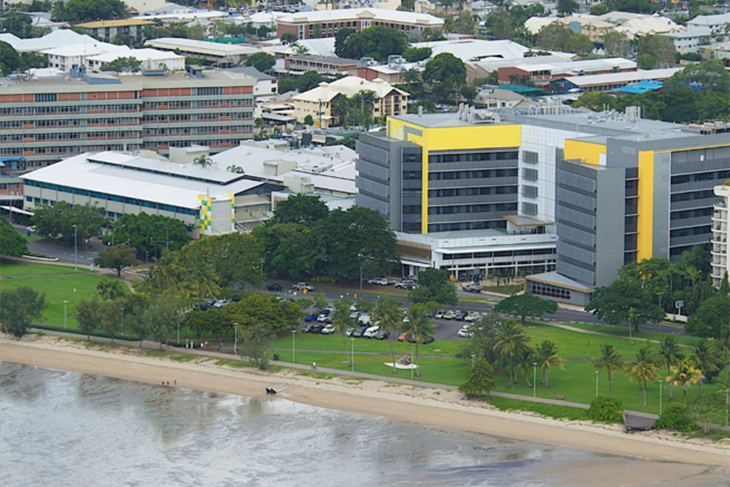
[559,398]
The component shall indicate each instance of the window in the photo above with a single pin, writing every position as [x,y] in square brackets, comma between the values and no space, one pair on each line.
[529,191]
[210,91]
[531,157]
[46,97]
[529,174]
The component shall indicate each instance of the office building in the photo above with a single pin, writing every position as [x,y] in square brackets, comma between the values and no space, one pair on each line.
[720,231]
[126,30]
[326,23]
[46,119]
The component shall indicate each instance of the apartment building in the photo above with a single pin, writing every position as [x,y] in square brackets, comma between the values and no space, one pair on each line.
[720,231]
[46,119]
[326,23]
[108,30]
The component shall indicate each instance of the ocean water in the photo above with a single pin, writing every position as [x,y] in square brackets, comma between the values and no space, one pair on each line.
[62,428]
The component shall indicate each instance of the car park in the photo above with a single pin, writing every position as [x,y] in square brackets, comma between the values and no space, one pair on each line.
[364,319]
[350,331]
[354,315]
[450,314]
[220,303]
[472,288]
[328,330]
[465,333]
[425,341]
[322,318]
[404,284]
[472,316]
[439,315]
[274,287]
[308,328]
[460,316]
[318,327]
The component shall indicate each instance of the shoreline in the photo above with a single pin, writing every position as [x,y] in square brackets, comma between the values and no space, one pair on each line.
[429,407]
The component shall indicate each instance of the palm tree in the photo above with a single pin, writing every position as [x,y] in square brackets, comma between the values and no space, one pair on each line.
[387,312]
[708,358]
[319,300]
[526,361]
[684,374]
[510,341]
[420,326]
[341,321]
[610,360]
[203,161]
[547,356]
[670,355]
[202,276]
[645,368]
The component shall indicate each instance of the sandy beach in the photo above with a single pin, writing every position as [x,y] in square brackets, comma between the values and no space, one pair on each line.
[420,405]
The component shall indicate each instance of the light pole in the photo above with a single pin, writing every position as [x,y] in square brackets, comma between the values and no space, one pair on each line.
[597,372]
[235,338]
[64,313]
[293,346]
[352,358]
[178,332]
[660,305]
[473,357]
[661,384]
[727,407]
[75,247]
[411,362]
[114,230]
[534,379]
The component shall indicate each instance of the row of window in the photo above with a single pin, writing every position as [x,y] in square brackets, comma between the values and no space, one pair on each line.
[459,226]
[466,209]
[686,232]
[698,213]
[703,176]
[694,195]
[473,157]
[504,253]
[540,289]
[488,173]
[106,197]
[490,190]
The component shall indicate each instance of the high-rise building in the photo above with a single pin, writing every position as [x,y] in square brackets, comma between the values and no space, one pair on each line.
[720,231]
[44,119]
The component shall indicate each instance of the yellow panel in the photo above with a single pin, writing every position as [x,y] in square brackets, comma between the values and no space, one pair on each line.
[585,151]
[645,222]
[452,138]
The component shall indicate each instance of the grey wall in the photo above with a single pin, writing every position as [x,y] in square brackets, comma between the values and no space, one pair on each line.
[609,225]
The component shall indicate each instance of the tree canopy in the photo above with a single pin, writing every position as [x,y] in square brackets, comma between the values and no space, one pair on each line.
[526,304]
[446,73]
[12,243]
[711,316]
[117,258]
[625,301]
[128,64]
[18,308]
[150,234]
[9,59]
[84,10]
[56,222]
[414,54]
[433,285]
[377,42]
[261,61]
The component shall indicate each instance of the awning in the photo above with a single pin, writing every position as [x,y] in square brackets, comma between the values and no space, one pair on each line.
[20,211]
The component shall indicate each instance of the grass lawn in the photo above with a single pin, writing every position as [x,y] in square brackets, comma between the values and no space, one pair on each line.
[548,410]
[312,341]
[624,332]
[507,289]
[15,268]
[69,287]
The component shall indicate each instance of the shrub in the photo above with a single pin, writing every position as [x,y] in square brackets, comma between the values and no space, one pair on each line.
[606,409]
[675,417]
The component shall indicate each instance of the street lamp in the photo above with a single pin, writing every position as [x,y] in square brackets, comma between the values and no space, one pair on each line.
[352,355]
[661,383]
[64,313]
[235,338]
[411,362]
[293,349]
[597,372]
[75,247]
[473,357]
[534,379]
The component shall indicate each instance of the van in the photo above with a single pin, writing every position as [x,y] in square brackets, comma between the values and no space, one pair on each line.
[371,332]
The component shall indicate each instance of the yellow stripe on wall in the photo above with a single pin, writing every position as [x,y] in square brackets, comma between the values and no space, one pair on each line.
[645,221]
[586,151]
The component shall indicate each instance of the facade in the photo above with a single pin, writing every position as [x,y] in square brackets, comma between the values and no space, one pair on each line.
[326,23]
[318,102]
[323,65]
[150,60]
[266,85]
[689,40]
[543,74]
[613,81]
[52,118]
[716,23]
[224,55]
[720,232]
[108,30]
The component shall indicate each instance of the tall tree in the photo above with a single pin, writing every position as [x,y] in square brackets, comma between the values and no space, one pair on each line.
[420,326]
[87,316]
[301,208]
[670,354]
[684,374]
[377,42]
[567,7]
[660,49]
[340,39]
[160,319]
[9,59]
[83,10]
[710,317]
[547,356]
[446,73]
[610,361]
[708,358]
[12,243]
[387,312]
[110,289]
[616,44]
[554,37]
[645,368]
[150,234]
[341,321]
[18,308]
[261,61]
[526,304]
[625,299]
[56,222]
[433,285]
[479,379]
[117,258]
[511,340]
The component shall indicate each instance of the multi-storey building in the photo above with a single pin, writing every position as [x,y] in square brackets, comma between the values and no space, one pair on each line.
[47,119]
[326,23]
[127,30]
[720,231]
[615,189]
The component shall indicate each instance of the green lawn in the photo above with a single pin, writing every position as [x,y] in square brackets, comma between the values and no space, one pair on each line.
[15,268]
[624,332]
[548,410]
[69,287]
[313,341]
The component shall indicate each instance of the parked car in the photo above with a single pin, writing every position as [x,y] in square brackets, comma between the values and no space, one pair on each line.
[472,316]
[378,281]
[220,303]
[308,328]
[425,341]
[303,286]
[439,315]
[318,328]
[450,314]
[465,333]
[357,333]
[364,319]
[460,316]
[371,332]
[328,330]
[355,315]
[472,288]
[404,336]
[350,331]
[274,287]
[322,318]
[311,317]
[404,284]
[383,335]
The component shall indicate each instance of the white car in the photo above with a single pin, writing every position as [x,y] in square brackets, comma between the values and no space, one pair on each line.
[354,315]
[450,314]
[379,281]
[364,319]
[328,330]
[439,314]
[303,286]
[404,284]
[472,316]
[322,318]
[465,333]
[371,332]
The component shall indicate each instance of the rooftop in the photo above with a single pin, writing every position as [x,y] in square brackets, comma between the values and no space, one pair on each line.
[363,13]
[251,72]
[560,280]
[630,76]
[348,86]
[129,176]
[202,47]
[52,40]
[578,67]
[103,24]
[476,49]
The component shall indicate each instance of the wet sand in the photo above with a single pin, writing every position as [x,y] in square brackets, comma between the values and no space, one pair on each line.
[424,406]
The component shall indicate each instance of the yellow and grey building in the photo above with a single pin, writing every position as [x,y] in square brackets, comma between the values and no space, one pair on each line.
[618,188]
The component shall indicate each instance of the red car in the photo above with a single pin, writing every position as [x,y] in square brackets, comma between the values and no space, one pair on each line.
[404,336]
